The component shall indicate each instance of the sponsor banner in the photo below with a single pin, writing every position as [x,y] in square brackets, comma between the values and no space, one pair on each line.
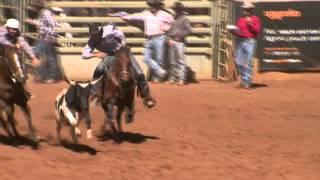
[290,39]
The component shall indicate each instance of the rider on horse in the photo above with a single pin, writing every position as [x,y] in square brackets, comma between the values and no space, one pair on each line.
[107,41]
[10,37]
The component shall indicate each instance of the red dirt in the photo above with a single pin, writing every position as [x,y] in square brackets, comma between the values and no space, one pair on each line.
[204,131]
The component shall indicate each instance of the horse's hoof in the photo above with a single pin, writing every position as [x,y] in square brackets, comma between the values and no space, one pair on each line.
[129,119]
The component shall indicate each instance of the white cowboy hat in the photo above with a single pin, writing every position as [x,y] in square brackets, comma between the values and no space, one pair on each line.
[247,5]
[56,9]
[12,23]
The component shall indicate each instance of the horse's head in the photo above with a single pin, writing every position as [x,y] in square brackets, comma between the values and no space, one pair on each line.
[122,64]
[13,59]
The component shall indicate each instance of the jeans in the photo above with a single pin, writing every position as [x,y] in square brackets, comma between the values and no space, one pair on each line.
[177,62]
[154,53]
[49,68]
[244,59]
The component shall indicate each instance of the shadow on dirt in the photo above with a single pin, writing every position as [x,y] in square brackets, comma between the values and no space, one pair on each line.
[19,141]
[258,85]
[135,138]
[79,148]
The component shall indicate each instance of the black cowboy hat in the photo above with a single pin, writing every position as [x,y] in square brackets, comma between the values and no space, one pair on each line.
[177,6]
[155,2]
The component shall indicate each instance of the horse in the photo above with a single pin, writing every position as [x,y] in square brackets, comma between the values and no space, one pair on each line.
[118,91]
[12,92]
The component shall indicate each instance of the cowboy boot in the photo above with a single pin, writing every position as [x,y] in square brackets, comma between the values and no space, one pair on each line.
[144,90]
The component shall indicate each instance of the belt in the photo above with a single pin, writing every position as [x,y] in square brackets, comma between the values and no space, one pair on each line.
[154,36]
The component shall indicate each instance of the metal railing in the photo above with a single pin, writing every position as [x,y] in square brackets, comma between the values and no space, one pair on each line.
[208,22]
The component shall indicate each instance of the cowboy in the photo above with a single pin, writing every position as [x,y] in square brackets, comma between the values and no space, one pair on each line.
[156,23]
[10,36]
[107,41]
[248,29]
[180,28]
[48,71]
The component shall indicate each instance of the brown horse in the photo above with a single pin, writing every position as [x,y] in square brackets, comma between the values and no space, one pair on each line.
[118,90]
[12,92]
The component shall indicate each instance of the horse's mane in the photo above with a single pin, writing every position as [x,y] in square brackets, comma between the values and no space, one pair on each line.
[124,50]
[121,65]
[12,62]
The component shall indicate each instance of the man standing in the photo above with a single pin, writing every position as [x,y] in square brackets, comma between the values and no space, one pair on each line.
[156,23]
[180,28]
[248,29]
[10,37]
[49,71]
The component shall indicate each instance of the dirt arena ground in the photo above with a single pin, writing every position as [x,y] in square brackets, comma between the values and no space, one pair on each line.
[204,131]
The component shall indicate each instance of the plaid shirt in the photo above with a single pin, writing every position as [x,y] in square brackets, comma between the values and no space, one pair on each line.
[47,25]
[154,24]
[7,41]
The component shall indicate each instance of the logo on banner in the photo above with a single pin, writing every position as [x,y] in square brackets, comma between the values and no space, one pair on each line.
[279,15]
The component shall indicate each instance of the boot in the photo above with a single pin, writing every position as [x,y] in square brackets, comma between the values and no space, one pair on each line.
[144,90]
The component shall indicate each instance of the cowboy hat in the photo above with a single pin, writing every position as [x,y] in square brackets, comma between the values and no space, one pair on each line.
[56,9]
[177,6]
[155,2]
[247,5]
[12,23]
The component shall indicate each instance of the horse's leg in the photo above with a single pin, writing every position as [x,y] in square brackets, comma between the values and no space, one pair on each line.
[114,110]
[108,123]
[130,111]
[27,113]
[12,121]
[119,113]
[3,119]
[105,108]
[4,116]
